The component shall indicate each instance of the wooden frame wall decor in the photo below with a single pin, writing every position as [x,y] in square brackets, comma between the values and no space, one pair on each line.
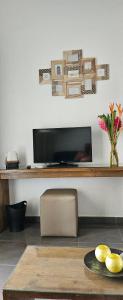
[72,72]
[73,90]
[58,88]
[88,86]
[74,75]
[72,56]
[102,72]
[88,66]
[45,76]
[57,69]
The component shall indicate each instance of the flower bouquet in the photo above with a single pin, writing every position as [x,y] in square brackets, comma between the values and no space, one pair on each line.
[112,124]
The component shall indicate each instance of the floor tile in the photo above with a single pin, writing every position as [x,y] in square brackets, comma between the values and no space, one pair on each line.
[93,245]
[121,232]
[100,235]
[5,272]
[31,230]
[52,241]
[10,252]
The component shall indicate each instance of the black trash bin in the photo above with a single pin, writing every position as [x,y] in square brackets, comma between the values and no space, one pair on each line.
[16,216]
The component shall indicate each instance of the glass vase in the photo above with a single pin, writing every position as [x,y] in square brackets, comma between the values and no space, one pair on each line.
[114,161]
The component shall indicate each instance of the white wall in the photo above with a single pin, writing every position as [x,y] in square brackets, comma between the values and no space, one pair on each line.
[32,33]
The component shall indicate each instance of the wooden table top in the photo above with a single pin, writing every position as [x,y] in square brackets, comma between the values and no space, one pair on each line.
[59,270]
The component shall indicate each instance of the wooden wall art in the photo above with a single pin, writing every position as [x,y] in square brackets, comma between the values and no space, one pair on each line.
[74,75]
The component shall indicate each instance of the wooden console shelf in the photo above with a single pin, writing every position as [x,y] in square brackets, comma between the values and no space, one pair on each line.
[6,175]
[61,172]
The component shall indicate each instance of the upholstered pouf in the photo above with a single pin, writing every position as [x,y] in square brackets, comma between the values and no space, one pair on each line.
[59,212]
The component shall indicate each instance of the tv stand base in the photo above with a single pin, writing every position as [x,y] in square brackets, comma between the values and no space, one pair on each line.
[62,165]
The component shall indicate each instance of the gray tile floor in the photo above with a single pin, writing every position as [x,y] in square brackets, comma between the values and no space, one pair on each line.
[12,244]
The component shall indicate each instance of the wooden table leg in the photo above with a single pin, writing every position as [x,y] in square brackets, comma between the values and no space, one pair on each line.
[4,199]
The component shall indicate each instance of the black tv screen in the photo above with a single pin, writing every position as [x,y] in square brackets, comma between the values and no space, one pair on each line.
[62,145]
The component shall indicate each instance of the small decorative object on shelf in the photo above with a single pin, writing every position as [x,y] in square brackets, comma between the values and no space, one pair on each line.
[112,124]
[12,161]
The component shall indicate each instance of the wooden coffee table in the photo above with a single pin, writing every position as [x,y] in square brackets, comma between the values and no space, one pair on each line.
[59,273]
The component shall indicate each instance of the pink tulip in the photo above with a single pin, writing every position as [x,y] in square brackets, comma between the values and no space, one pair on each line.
[117,123]
[102,124]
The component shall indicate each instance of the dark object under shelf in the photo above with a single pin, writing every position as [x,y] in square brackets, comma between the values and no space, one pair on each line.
[16,216]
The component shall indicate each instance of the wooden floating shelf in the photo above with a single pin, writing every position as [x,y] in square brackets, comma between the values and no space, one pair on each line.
[62,172]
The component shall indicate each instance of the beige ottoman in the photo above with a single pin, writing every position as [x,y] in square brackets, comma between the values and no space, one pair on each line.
[59,212]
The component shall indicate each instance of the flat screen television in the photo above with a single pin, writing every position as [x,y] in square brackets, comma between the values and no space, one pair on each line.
[62,145]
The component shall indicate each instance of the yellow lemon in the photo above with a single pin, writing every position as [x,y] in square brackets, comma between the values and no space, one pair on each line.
[114,263]
[101,252]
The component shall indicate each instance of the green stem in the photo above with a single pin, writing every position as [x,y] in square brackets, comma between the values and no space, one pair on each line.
[114,161]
